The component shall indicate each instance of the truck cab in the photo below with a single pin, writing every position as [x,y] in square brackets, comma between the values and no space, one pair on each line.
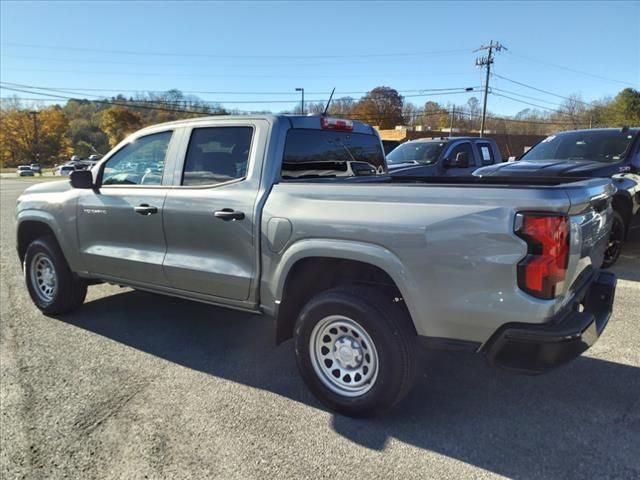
[453,156]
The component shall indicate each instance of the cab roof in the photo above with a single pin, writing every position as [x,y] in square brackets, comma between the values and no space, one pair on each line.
[295,121]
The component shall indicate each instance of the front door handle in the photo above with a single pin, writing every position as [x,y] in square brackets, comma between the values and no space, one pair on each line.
[145,209]
[227,214]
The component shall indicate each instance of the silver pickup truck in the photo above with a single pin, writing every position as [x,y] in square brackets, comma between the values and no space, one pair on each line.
[297,218]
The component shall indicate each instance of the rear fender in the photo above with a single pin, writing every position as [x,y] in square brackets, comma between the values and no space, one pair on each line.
[380,257]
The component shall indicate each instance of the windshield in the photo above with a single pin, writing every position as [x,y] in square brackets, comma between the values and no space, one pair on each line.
[599,146]
[420,152]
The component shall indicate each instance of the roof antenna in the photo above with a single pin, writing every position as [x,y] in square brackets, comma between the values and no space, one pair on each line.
[329,102]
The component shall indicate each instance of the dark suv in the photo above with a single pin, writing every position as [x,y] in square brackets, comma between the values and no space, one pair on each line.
[608,152]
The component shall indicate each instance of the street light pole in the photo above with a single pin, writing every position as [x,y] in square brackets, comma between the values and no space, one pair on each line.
[299,89]
[36,153]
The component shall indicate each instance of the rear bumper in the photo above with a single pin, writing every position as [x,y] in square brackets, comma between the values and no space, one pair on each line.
[533,349]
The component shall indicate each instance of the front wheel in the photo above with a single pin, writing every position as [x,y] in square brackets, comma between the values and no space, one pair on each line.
[616,239]
[53,287]
[356,350]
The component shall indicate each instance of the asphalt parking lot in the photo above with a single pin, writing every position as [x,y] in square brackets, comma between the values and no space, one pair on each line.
[135,385]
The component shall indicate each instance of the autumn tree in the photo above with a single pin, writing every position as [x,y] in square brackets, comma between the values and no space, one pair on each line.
[382,106]
[18,138]
[118,122]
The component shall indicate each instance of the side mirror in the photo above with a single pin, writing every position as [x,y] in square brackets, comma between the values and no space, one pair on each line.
[81,179]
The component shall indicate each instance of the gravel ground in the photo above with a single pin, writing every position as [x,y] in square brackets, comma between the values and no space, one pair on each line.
[135,385]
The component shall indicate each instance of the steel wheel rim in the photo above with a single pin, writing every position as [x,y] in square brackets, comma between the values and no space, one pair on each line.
[44,278]
[343,356]
[615,242]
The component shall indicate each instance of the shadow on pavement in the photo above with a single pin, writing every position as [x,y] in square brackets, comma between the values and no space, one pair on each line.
[628,266]
[579,421]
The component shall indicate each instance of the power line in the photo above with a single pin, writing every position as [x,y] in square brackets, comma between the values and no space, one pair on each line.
[119,104]
[217,55]
[217,75]
[296,63]
[540,90]
[526,96]
[353,116]
[600,77]
[531,104]
[226,92]
[8,85]
[134,104]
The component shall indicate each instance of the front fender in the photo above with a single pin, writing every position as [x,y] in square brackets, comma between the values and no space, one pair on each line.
[628,185]
[63,227]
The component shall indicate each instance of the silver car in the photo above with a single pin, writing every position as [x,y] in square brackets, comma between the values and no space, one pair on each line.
[25,171]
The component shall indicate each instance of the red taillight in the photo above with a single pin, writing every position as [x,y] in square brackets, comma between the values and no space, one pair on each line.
[545,265]
[336,123]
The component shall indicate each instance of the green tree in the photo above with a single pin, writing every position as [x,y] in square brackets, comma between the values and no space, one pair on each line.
[624,110]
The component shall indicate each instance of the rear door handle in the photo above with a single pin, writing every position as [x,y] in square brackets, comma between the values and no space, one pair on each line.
[145,209]
[227,214]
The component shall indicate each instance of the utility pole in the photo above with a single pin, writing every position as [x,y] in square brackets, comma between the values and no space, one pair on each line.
[453,112]
[36,149]
[302,102]
[482,62]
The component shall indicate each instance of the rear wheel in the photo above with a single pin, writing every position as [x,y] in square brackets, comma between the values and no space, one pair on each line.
[356,350]
[53,287]
[616,239]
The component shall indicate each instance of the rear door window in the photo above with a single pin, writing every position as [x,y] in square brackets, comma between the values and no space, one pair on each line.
[485,153]
[331,154]
[217,155]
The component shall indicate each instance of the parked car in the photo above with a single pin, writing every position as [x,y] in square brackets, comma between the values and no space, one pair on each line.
[24,171]
[65,170]
[444,156]
[362,270]
[36,168]
[612,153]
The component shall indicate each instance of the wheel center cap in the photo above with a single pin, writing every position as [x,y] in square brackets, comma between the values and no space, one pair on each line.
[348,353]
[47,276]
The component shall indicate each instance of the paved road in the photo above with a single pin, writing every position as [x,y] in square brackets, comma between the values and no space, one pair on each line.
[135,385]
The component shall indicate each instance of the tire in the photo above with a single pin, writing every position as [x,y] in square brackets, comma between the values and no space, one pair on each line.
[359,334]
[53,287]
[616,239]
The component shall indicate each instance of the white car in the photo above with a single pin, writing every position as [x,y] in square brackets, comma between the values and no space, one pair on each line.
[65,170]
[25,171]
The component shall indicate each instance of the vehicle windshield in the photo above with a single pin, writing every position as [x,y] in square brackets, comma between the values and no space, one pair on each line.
[598,146]
[416,152]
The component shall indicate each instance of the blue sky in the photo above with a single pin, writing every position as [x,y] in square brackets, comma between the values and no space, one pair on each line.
[264,50]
